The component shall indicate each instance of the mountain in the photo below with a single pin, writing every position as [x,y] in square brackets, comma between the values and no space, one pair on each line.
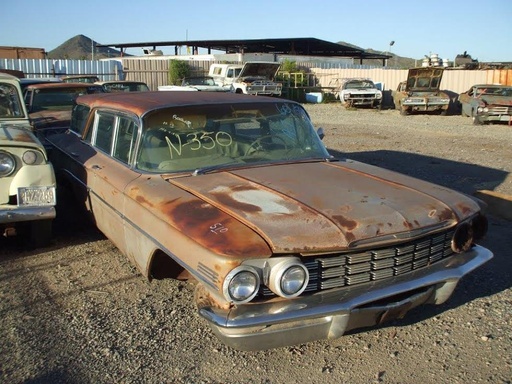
[80,48]
[395,61]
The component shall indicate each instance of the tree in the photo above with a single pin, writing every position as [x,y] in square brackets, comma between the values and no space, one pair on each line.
[178,69]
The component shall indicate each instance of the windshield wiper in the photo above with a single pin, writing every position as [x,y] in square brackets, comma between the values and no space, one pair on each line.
[204,170]
[211,168]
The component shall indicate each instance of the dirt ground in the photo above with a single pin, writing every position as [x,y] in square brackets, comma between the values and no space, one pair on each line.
[79,312]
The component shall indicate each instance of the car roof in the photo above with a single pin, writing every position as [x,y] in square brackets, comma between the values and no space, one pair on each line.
[140,103]
[118,82]
[490,85]
[61,85]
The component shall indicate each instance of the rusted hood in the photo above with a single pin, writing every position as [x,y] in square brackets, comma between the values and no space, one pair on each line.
[497,100]
[326,206]
[16,136]
[43,119]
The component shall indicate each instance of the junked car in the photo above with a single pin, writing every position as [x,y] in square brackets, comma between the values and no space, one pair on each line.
[257,78]
[359,92]
[487,103]
[27,179]
[421,93]
[287,243]
[123,86]
[50,104]
[196,83]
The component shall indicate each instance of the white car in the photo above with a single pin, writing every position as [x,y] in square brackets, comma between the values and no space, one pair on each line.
[27,179]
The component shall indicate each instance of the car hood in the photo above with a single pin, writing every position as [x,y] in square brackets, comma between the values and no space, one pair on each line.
[259,69]
[496,100]
[431,72]
[317,207]
[17,136]
[43,119]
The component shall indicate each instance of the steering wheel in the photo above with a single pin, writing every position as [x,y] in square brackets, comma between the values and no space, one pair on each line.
[257,146]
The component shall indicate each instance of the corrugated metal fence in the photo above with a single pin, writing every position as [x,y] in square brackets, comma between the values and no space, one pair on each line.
[154,72]
[106,70]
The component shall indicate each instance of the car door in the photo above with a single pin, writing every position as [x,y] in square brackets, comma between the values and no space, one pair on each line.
[113,139]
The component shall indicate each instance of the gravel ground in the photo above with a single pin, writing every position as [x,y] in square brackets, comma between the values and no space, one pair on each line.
[78,312]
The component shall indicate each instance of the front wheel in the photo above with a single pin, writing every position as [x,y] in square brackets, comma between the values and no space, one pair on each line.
[477,120]
[40,233]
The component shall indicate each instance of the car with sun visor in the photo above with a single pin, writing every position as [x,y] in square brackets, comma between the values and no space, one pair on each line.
[287,243]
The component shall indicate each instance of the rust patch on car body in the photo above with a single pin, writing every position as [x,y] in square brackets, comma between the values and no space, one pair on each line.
[199,220]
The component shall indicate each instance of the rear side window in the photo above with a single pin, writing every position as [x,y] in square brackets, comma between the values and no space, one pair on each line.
[114,134]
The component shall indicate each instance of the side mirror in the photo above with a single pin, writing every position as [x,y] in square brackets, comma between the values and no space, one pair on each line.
[320,133]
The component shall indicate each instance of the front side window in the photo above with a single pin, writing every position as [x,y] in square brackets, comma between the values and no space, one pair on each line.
[192,138]
[105,126]
[124,139]
[79,118]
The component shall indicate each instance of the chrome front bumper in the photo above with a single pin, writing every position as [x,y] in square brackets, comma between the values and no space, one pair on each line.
[18,214]
[330,314]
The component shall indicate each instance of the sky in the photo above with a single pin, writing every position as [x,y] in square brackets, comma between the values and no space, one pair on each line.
[444,27]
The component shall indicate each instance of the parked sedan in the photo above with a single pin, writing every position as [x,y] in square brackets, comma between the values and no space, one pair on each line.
[50,104]
[421,92]
[487,103]
[287,243]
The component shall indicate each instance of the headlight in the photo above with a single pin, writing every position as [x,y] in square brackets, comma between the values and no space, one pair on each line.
[468,232]
[29,157]
[288,278]
[7,164]
[346,96]
[241,284]
[462,238]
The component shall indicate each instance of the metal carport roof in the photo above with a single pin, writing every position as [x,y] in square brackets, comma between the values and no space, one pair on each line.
[306,46]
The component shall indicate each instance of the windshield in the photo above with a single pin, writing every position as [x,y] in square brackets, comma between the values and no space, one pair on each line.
[199,81]
[10,103]
[125,87]
[192,138]
[359,84]
[59,98]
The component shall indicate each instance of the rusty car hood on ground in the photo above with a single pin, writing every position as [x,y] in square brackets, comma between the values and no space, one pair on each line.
[327,206]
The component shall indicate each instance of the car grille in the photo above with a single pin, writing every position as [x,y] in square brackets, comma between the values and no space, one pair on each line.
[362,96]
[501,110]
[349,269]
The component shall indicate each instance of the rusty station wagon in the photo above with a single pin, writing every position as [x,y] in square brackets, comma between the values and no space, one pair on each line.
[287,243]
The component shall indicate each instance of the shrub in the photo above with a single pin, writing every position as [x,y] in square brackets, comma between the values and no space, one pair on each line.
[178,69]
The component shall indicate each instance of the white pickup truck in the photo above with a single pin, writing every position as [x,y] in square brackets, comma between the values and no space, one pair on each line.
[252,78]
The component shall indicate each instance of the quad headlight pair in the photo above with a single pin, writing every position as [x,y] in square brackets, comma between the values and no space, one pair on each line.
[285,276]
[8,162]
